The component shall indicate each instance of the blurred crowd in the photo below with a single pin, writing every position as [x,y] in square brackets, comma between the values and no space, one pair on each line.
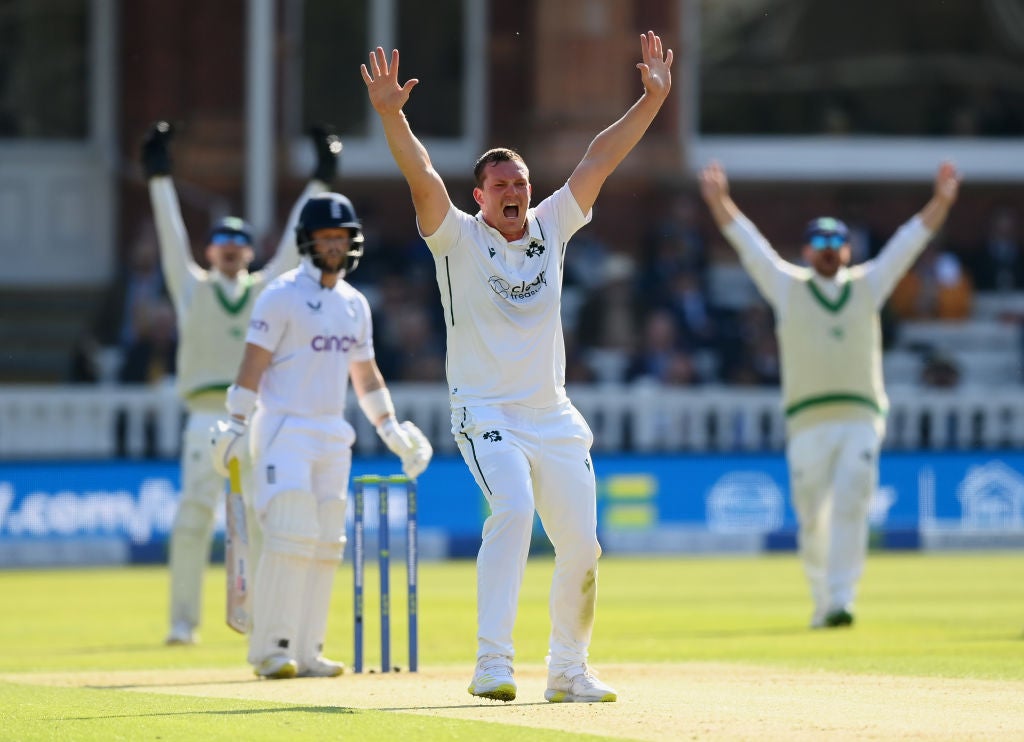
[675,309]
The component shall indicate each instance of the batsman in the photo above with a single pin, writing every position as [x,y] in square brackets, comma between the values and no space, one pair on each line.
[311,331]
[212,306]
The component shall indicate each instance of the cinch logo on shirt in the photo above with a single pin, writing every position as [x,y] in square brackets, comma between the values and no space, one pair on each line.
[328,343]
[517,293]
[258,324]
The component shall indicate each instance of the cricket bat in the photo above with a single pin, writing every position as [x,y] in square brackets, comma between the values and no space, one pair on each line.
[236,552]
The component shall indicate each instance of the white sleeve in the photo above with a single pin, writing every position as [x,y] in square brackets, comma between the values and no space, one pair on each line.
[447,235]
[363,350]
[181,272]
[568,215]
[286,256]
[883,273]
[269,320]
[770,273]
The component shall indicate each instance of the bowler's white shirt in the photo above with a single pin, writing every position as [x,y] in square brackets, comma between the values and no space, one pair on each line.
[314,334]
[502,304]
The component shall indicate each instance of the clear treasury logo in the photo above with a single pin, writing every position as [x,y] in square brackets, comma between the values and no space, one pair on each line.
[517,293]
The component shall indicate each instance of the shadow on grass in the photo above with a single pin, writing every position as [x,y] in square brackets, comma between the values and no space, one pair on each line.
[495,705]
[221,712]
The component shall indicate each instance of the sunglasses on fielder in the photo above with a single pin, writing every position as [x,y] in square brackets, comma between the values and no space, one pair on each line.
[226,238]
[826,241]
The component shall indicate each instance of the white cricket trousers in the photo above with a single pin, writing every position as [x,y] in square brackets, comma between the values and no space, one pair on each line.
[525,459]
[833,469]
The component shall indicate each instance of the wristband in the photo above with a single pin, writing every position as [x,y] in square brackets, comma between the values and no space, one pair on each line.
[240,401]
[377,404]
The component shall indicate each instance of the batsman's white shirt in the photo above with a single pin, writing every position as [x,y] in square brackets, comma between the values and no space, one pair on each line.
[314,334]
[501,303]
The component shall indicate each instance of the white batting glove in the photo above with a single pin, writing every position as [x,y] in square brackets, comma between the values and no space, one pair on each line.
[408,443]
[225,439]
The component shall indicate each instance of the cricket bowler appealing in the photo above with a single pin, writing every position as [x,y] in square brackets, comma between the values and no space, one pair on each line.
[527,446]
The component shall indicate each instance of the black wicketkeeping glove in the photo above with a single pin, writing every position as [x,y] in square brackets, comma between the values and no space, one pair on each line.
[328,147]
[156,155]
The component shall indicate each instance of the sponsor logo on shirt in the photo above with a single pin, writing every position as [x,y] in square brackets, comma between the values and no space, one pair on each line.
[259,324]
[315,306]
[332,343]
[517,293]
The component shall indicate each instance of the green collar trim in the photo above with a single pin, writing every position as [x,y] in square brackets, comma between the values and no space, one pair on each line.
[834,307]
[233,307]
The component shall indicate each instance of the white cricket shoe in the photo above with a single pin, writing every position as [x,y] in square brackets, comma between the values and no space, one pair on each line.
[493,678]
[181,633]
[277,667]
[320,667]
[578,685]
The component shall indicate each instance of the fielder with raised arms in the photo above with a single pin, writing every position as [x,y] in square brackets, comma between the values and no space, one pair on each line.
[310,332]
[830,343]
[500,277]
[212,308]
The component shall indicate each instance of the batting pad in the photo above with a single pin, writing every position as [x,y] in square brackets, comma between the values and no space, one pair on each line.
[289,541]
[320,581]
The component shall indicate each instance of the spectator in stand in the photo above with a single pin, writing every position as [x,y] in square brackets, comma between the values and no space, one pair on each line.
[421,349]
[936,288]
[999,264]
[689,305]
[150,357]
[659,358]
[675,245]
[610,320]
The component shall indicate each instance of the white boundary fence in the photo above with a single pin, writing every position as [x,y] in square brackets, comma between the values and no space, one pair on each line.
[95,422]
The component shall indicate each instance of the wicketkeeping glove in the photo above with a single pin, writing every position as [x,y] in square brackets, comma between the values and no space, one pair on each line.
[226,440]
[328,147]
[408,443]
[156,157]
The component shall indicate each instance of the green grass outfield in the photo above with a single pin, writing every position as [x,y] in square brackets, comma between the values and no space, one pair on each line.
[956,616]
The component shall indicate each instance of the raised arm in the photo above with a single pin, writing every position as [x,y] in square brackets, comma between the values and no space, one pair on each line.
[947,188]
[429,195]
[714,188]
[903,248]
[611,146]
[767,269]
[328,147]
[176,261]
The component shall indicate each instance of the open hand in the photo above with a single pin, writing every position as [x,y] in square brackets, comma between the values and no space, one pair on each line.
[387,96]
[655,72]
[947,183]
[714,185]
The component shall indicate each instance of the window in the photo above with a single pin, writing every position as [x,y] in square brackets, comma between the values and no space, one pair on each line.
[816,87]
[437,40]
[44,54]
